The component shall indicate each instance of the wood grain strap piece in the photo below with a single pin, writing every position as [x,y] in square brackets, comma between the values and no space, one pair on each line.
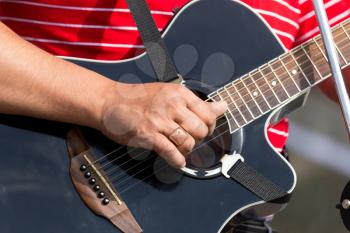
[116,210]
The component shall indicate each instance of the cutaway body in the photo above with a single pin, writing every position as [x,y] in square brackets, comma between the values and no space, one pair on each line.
[212,43]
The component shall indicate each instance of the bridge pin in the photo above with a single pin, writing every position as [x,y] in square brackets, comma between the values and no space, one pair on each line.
[97,188]
[87,174]
[101,195]
[83,168]
[92,181]
[105,201]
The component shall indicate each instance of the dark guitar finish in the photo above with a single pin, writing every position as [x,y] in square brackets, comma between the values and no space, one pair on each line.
[207,37]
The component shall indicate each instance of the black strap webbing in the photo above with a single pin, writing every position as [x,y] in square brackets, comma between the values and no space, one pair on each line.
[165,71]
[249,178]
[163,66]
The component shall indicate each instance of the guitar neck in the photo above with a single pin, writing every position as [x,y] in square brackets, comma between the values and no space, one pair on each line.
[282,79]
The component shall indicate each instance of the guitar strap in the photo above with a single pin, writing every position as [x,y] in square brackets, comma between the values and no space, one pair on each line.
[258,184]
[157,52]
[165,71]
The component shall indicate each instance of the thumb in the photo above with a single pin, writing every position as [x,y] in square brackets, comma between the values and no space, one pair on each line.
[218,108]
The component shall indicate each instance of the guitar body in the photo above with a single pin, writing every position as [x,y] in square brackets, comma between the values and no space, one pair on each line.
[212,43]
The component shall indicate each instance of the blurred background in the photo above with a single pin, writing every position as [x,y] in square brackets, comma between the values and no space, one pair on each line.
[320,152]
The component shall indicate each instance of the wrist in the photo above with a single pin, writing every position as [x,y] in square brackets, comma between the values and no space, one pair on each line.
[104,93]
[111,97]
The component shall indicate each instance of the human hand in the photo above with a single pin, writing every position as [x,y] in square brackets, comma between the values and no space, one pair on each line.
[166,118]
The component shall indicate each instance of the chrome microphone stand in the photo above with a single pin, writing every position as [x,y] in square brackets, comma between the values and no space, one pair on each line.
[333,60]
[343,96]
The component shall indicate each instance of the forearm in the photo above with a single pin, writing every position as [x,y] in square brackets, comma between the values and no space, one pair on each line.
[35,83]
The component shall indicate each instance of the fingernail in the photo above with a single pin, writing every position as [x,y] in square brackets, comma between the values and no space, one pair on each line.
[183,165]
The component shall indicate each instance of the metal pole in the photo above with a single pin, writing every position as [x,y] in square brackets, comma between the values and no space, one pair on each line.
[333,59]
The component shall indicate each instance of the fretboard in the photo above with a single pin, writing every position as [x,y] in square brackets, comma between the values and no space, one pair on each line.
[281,79]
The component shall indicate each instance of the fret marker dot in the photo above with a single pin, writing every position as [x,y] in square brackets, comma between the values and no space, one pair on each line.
[294,72]
[255,93]
[273,83]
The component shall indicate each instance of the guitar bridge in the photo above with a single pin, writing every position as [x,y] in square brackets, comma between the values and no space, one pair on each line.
[94,188]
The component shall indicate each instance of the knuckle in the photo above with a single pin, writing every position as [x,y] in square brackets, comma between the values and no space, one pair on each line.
[174,105]
[187,145]
[201,130]
[190,143]
[139,131]
[211,118]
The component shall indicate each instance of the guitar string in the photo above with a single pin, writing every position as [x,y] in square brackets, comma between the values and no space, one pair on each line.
[247,101]
[147,167]
[341,26]
[254,84]
[115,177]
[252,99]
[155,172]
[136,165]
[161,169]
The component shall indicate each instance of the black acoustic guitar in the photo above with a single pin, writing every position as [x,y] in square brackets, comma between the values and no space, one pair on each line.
[224,51]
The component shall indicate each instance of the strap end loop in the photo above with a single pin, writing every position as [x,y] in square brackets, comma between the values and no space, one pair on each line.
[228,161]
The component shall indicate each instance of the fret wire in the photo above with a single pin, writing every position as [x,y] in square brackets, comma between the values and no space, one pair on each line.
[315,62]
[291,77]
[335,36]
[297,65]
[234,103]
[234,86]
[347,35]
[245,111]
[325,57]
[229,108]
[273,72]
[270,88]
[346,50]
[273,91]
[323,67]
[268,83]
[257,87]
[244,118]
[342,57]
[303,49]
[297,76]
[301,70]
[310,76]
[340,53]
[248,122]
[252,96]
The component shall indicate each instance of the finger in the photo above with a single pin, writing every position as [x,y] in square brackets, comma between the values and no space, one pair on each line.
[208,112]
[178,136]
[167,150]
[191,123]
[187,146]
[174,132]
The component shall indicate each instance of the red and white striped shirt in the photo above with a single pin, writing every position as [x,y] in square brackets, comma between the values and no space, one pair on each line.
[105,30]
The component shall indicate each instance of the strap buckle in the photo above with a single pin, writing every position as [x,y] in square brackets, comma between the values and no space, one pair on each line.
[228,161]
[178,80]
